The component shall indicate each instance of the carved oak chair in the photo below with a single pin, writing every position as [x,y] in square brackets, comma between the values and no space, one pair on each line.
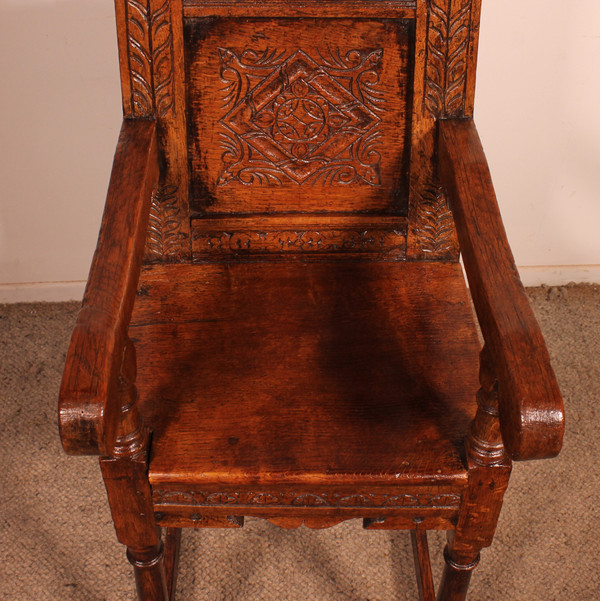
[278,262]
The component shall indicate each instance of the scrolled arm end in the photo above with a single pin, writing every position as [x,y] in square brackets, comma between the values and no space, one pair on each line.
[532,417]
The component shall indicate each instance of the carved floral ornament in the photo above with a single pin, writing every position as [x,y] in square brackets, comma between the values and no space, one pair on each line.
[304,241]
[295,119]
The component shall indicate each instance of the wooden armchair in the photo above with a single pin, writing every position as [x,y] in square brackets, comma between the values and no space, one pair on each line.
[278,262]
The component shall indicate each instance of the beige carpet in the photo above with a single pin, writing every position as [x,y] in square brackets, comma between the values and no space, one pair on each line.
[57,542]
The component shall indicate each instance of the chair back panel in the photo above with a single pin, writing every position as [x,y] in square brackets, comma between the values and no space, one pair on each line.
[298,115]
[298,129]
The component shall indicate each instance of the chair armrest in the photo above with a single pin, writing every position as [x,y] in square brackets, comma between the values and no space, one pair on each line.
[530,403]
[89,401]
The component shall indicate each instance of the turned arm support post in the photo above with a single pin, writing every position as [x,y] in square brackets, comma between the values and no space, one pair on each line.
[530,403]
[97,381]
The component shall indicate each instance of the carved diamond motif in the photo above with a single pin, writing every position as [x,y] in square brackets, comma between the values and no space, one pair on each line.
[296,121]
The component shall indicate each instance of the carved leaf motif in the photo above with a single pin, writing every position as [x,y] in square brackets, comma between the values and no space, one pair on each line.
[406,501]
[162,58]
[447,47]
[445,499]
[309,500]
[150,43]
[436,226]
[164,235]
[357,500]
[140,57]
[220,499]
[264,498]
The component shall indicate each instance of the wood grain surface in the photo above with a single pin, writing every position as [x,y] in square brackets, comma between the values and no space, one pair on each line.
[531,406]
[89,409]
[305,115]
[300,8]
[298,178]
[304,374]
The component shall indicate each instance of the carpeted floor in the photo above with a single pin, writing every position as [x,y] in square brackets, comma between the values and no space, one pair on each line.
[57,541]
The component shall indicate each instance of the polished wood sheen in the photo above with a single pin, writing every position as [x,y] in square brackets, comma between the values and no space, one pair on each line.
[531,407]
[261,392]
[276,324]
[322,118]
[88,413]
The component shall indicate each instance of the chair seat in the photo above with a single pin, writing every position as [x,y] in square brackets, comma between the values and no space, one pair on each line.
[317,376]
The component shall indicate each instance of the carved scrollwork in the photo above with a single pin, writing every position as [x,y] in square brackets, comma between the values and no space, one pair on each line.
[383,241]
[300,120]
[150,49]
[447,51]
[295,499]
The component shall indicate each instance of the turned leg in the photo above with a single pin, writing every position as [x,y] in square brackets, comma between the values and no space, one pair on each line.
[149,569]
[457,573]
[125,476]
[489,470]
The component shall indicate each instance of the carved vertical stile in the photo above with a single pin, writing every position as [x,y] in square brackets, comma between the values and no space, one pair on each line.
[140,59]
[448,36]
[150,58]
[446,62]
[163,61]
[150,39]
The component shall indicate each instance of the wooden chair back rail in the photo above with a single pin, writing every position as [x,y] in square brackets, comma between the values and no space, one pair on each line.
[531,406]
[89,412]
[294,8]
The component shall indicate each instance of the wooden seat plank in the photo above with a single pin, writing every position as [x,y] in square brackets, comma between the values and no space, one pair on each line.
[312,374]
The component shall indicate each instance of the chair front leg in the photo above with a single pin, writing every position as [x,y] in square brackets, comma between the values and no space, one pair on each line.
[457,572]
[489,472]
[149,569]
[129,494]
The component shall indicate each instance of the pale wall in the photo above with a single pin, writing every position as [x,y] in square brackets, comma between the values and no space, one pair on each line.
[537,114]
[538,94]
